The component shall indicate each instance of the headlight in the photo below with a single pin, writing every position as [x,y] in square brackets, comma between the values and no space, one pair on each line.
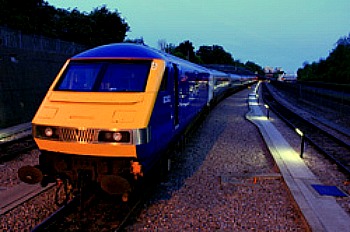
[114,136]
[48,132]
[117,136]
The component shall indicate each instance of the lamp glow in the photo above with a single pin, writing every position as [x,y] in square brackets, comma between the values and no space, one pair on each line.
[299,132]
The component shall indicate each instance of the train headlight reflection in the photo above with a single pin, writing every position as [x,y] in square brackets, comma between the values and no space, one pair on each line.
[46,132]
[108,136]
[114,136]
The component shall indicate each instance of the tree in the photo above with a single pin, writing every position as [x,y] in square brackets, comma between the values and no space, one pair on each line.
[185,50]
[107,27]
[214,55]
[162,45]
[99,27]
[344,40]
[21,14]
[335,68]
[254,68]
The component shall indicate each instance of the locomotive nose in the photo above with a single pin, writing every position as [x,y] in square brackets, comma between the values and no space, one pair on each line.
[30,175]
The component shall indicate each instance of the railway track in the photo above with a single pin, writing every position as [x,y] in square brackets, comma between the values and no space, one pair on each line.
[334,147]
[20,195]
[98,213]
[56,216]
[15,142]
[92,209]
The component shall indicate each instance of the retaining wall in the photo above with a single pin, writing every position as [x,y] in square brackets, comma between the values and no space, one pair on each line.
[28,65]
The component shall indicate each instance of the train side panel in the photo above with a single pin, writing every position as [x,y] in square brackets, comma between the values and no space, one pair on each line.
[182,96]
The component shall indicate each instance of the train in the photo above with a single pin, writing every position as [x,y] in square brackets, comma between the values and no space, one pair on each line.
[288,77]
[113,111]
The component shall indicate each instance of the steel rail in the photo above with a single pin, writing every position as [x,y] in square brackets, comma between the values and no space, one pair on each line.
[60,213]
[335,149]
[16,146]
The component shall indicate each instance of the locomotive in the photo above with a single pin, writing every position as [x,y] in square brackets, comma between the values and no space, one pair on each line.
[113,111]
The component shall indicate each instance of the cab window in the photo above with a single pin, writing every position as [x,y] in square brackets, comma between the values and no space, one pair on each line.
[79,77]
[105,76]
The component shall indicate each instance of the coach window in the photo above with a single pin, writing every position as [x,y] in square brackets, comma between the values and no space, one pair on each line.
[164,83]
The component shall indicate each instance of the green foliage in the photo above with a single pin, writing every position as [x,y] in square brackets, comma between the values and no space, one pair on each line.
[208,55]
[254,68]
[214,55]
[100,26]
[185,50]
[334,69]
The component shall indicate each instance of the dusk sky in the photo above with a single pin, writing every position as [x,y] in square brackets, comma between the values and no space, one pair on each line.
[276,33]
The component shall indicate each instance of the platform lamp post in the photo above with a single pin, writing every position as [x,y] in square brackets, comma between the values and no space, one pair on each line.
[302,146]
[267,111]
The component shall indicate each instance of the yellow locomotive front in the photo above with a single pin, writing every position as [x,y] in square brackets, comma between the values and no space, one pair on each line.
[94,115]
[108,118]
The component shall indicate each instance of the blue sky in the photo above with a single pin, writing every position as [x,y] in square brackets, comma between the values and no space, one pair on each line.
[276,33]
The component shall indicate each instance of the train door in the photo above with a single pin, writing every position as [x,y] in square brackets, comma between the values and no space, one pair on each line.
[175,78]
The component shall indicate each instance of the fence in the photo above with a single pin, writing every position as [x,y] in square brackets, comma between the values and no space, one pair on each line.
[28,65]
[333,104]
[16,39]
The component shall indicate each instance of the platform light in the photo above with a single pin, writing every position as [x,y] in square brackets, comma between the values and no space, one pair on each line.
[299,132]
[257,97]
[267,111]
[302,145]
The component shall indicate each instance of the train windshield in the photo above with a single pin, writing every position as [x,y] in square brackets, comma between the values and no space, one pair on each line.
[106,76]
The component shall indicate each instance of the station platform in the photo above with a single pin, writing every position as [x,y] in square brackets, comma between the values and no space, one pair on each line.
[322,212]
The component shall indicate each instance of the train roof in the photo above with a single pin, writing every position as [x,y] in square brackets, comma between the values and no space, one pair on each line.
[218,73]
[132,51]
[121,50]
[137,51]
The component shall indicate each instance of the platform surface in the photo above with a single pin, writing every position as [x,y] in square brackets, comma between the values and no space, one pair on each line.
[321,212]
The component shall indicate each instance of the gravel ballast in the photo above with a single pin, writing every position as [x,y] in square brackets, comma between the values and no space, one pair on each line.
[224,180]
[227,149]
